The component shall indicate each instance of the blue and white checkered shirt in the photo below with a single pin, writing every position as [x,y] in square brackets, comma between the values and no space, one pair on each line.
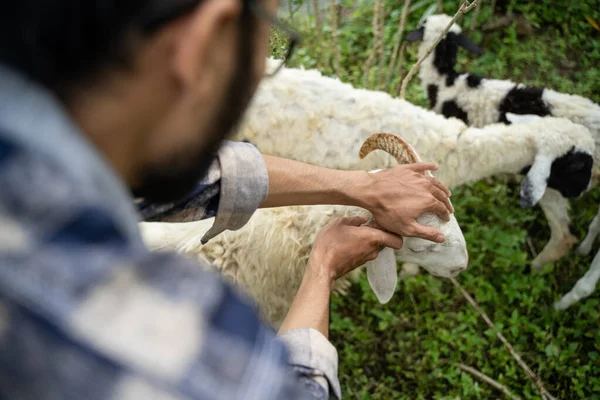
[87,312]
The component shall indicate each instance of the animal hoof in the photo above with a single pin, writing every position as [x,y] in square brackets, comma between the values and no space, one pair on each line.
[583,249]
[535,266]
[558,306]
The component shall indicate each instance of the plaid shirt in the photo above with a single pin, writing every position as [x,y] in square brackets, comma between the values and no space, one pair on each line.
[87,312]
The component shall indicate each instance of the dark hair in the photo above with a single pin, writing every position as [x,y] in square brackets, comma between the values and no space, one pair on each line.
[64,43]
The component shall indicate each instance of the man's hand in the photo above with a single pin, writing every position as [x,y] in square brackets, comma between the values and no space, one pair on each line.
[341,246]
[345,244]
[398,196]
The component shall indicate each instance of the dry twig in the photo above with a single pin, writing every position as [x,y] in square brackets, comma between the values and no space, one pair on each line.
[474,18]
[488,380]
[400,66]
[318,19]
[381,50]
[536,379]
[335,21]
[399,34]
[464,8]
[377,41]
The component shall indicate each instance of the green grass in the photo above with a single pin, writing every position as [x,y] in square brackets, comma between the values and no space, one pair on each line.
[407,348]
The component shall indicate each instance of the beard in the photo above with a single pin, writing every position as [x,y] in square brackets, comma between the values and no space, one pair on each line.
[172,180]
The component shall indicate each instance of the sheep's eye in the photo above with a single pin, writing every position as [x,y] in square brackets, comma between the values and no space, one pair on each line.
[416,250]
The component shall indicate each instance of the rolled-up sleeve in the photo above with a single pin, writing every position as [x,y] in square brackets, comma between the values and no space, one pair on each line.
[314,358]
[244,186]
[236,184]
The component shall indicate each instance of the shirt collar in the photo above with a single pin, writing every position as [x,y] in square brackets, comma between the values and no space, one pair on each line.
[34,119]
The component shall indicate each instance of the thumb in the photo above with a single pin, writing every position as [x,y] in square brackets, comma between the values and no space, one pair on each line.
[386,239]
[428,233]
[422,167]
[354,221]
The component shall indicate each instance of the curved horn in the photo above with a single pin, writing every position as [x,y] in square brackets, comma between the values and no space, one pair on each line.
[393,144]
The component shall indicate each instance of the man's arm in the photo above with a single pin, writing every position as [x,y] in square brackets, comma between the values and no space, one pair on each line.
[396,197]
[242,180]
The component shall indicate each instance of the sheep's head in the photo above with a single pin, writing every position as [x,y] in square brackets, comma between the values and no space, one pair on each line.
[432,27]
[570,173]
[446,259]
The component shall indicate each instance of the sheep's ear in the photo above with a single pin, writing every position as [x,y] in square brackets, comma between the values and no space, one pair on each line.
[415,35]
[520,118]
[534,185]
[467,44]
[382,275]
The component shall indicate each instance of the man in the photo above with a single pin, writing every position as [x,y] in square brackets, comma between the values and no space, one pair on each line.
[100,99]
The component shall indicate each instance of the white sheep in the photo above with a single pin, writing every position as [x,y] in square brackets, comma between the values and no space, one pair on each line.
[302,115]
[267,257]
[480,101]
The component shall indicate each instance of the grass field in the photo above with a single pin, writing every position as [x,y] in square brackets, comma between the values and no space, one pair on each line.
[408,348]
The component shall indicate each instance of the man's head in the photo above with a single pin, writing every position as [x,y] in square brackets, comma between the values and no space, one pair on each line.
[155,84]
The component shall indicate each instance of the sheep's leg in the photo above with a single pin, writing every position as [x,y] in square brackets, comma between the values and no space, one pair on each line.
[593,230]
[556,209]
[583,288]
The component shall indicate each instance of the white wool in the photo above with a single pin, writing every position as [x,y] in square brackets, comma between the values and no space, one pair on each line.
[482,107]
[267,257]
[302,115]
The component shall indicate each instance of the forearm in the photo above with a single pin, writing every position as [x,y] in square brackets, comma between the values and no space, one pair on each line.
[295,183]
[310,308]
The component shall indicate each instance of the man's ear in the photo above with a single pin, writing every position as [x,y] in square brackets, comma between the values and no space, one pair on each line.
[197,34]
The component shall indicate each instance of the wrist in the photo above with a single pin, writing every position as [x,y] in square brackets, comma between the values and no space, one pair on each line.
[318,274]
[357,190]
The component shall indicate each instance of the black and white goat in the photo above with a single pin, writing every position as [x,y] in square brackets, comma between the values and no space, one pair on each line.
[480,101]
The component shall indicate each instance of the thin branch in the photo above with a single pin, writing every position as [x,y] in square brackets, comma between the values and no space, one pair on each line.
[493,7]
[381,49]
[474,18]
[464,8]
[536,379]
[374,50]
[399,34]
[488,380]
[440,6]
[335,21]
[400,67]
[531,247]
[318,21]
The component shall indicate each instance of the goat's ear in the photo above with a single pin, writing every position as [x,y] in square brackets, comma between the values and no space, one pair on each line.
[534,185]
[382,275]
[415,35]
[467,44]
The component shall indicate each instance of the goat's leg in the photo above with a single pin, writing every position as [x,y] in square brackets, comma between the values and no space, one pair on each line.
[593,230]
[583,288]
[556,210]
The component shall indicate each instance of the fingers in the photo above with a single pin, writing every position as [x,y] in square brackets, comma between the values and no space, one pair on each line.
[427,233]
[386,239]
[422,167]
[440,186]
[440,209]
[443,199]
[354,221]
